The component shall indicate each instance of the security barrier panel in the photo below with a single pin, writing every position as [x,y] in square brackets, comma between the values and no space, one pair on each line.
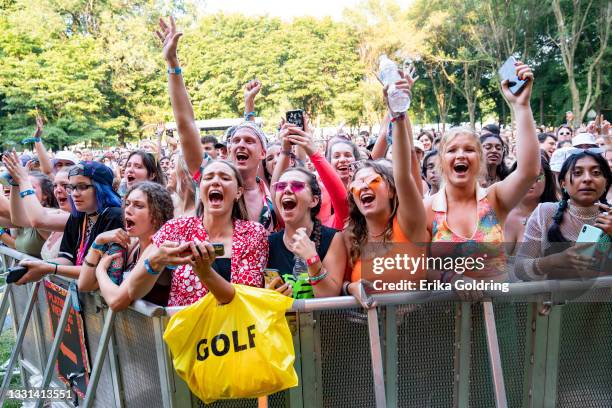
[412,350]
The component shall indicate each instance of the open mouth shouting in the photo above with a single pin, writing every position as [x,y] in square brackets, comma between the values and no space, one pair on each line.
[130,179]
[343,169]
[288,203]
[461,169]
[367,198]
[129,224]
[215,197]
[241,157]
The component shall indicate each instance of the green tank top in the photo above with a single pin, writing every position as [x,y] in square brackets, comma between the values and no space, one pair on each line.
[29,241]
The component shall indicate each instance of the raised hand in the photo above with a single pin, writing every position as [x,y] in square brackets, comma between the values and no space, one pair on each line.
[169,38]
[14,167]
[522,99]
[251,89]
[39,125]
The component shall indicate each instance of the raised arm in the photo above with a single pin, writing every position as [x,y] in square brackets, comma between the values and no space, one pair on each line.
[330,179]
[43,156]
[513,188]
[251,90]
[284,159]
[189,135]
[380,147]
[28,210]
[411,212]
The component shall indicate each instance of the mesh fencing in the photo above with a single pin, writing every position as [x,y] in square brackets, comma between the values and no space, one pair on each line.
[425,349]
[585,356]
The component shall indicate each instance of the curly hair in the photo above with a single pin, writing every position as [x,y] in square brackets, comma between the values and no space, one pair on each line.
[159,201]
[356,226]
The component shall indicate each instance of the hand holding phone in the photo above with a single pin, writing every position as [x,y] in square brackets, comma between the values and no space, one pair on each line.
[15,273]
[296,117]
[508,72]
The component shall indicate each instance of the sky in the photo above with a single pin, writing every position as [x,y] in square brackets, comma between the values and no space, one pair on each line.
[279,8]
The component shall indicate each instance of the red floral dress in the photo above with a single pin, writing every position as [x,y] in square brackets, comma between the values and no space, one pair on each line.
[248,260]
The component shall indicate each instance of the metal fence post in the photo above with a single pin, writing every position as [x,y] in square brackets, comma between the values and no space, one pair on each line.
[4,305]
[494,357]
[537,341]
[175,392]
[463,334]
[376,355]
[552,356]
[296,394]
[55,347]
[391,355]
[311,379]
[96,371]
[19,342]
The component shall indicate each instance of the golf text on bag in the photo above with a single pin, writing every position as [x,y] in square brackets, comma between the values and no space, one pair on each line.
[220,344]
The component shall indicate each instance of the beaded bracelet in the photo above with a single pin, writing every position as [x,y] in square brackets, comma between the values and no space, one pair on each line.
[316,279]
[26,193]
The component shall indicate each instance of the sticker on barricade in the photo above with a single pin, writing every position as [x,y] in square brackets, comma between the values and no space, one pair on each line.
[72,360]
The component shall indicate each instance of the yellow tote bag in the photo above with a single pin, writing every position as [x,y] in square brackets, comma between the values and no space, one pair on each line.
[242,349]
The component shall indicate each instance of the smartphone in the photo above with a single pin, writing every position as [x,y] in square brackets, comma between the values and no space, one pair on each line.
[589,234]
[296,117]
[269,275]
[219,249]
[15,273]
[508,71]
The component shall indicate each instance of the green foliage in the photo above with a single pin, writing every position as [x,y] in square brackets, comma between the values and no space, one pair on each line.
[94,69]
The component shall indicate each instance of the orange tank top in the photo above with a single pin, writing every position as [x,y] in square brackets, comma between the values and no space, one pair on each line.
[412,250]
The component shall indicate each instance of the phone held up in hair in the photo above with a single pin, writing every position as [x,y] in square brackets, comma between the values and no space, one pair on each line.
[296,117]
[508,71]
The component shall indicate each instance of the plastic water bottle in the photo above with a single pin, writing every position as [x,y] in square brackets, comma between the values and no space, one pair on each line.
[399,101]
[299,266]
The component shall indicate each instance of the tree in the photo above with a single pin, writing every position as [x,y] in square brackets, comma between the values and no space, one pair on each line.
[571,25]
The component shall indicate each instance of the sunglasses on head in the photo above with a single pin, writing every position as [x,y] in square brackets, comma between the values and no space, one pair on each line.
[294,186]
[593,150]
[370,182]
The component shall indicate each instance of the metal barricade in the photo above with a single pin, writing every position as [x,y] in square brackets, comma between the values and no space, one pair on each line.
[413,350]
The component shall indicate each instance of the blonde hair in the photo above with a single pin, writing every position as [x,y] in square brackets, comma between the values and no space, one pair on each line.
[448,137]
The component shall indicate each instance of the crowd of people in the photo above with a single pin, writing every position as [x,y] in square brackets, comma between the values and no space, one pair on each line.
[141,223]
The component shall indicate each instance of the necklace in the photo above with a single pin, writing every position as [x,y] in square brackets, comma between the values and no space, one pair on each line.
[583,213]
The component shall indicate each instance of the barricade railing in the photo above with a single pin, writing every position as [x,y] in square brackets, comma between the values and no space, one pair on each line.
[413,349]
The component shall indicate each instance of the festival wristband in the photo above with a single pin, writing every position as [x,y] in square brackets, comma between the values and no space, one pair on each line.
[26,193]
[400,116]
[248,115]
[56,265]
[345,287]
[314,280]
[2,231]
[31,140]
[149,268]
[313,260]
[175,71]
[98,247]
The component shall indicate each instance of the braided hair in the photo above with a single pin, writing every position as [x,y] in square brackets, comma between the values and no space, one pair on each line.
[314,211]
[554,232]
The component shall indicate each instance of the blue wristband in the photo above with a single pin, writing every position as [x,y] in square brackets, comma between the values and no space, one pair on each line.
[149,269]
[98,247]
[175,71]
[30,140]
[248,115]
[26,193]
